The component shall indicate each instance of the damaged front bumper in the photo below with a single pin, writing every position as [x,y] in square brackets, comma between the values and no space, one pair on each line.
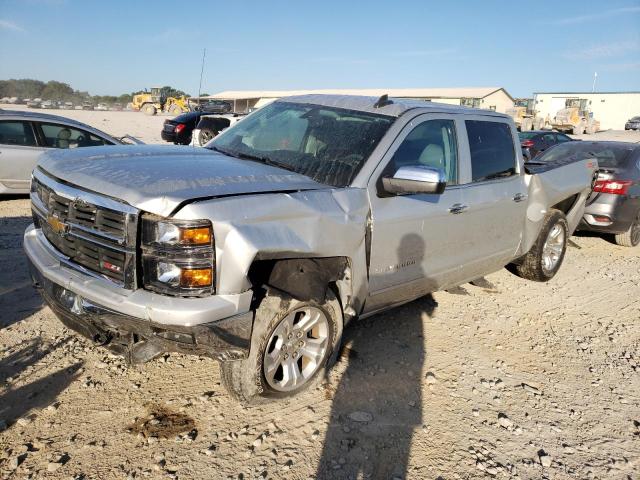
[137,339]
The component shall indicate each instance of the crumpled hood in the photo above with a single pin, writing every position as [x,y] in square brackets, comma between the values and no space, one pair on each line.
[158,178]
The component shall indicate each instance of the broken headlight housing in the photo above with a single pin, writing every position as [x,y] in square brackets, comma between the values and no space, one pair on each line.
[178,256]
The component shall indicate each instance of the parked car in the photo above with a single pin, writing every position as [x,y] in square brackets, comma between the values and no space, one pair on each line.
[26,135]
[614,205]
[178,130]
[211,125]
[633,123]
[87,106]
[313,211]
[537,141]
[33,103]
[102,107]
[212,106]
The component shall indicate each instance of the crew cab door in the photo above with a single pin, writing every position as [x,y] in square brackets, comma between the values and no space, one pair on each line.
[415,238]
[493,194]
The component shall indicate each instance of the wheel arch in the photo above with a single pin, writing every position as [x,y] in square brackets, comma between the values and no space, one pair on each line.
[306,279]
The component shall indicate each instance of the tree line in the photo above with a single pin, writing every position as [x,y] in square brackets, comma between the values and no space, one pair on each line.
[54,90]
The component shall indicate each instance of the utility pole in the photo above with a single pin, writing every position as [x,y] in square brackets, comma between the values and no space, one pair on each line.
[595,77]
[204,52]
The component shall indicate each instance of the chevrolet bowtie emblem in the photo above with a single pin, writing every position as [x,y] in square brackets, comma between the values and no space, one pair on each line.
[57,225]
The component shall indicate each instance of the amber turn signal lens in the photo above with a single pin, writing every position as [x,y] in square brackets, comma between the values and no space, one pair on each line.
[197,277]
[195,236]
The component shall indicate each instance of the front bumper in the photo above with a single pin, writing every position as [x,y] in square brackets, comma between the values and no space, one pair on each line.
[139,324]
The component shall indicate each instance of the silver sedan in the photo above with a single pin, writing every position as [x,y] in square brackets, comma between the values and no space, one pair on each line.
[25,135]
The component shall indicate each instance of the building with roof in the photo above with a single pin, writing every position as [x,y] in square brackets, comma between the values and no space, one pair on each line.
[491,98]
[612,109]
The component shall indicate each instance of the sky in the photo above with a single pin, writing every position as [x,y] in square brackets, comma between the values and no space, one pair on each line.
[111,47]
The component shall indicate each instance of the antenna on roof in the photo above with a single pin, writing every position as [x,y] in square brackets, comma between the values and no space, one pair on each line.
[383,101]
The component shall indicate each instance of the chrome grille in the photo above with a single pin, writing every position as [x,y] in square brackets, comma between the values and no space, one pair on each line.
[94,234]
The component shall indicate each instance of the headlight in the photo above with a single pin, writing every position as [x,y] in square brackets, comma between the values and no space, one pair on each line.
[178,256]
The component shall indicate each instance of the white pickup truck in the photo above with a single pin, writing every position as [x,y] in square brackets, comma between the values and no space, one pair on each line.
[307,214]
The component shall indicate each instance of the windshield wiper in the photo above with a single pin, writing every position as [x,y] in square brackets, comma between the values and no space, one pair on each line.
[256,158]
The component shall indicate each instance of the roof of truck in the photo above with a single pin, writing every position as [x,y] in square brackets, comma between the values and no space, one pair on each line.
[395,108]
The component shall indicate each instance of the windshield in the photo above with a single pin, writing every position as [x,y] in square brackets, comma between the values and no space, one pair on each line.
[608,155]
[328,144]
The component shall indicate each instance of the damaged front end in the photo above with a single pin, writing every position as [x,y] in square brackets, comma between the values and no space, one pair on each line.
[139,340]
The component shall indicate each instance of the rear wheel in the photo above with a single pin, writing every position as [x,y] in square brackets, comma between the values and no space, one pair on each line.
[630,238]
[292,344]
[149,109]
[543,261]
[526,125]
[205,135]
[175,110]
[578,129]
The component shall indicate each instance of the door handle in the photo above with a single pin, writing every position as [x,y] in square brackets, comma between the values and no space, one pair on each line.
[458,208]
[520,197]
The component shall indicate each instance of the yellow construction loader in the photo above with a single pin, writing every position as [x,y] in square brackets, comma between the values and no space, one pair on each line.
[155,101]
[576,118]
[525,116]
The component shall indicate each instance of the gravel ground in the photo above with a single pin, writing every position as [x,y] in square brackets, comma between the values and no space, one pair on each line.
[506,379]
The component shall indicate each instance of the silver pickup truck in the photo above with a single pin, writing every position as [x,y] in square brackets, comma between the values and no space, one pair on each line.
[311,212]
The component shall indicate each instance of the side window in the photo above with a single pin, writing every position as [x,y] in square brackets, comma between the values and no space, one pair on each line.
[492,152]
[548,138]
[14,132]
[430,144]
[562,138]
[63,136]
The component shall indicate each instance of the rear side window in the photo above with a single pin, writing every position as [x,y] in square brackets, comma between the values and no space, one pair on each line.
[63,136]
[492,152]
[13,132]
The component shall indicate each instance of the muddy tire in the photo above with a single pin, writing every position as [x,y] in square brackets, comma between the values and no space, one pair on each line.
[293,343]
[590,130]
[578,130]
[205,135]
[630,238]
[175,110]
[526,125]
[544,259]
[539,123]
[149,109]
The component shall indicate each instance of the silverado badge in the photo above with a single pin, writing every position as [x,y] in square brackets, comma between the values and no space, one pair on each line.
[57,225]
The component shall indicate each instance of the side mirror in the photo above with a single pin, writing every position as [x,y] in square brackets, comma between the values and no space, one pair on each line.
[415,179]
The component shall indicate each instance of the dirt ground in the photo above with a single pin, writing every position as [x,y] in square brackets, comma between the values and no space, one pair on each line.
[508,379]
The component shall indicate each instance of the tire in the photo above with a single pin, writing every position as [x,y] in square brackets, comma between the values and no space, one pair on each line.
[525,125]
[578,130]
[149,109]
[630,238]
[539,123]
[246,380]
[175,110]
[534,266]
[205,135]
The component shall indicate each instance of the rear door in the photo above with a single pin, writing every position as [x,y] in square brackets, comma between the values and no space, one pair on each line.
[494,195]
[19,152]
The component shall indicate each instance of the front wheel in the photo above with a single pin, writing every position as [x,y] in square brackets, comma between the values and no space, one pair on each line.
[630,238]
[292,344]
[543,261]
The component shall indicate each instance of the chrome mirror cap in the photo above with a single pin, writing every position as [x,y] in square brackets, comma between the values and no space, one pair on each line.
[415,179]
